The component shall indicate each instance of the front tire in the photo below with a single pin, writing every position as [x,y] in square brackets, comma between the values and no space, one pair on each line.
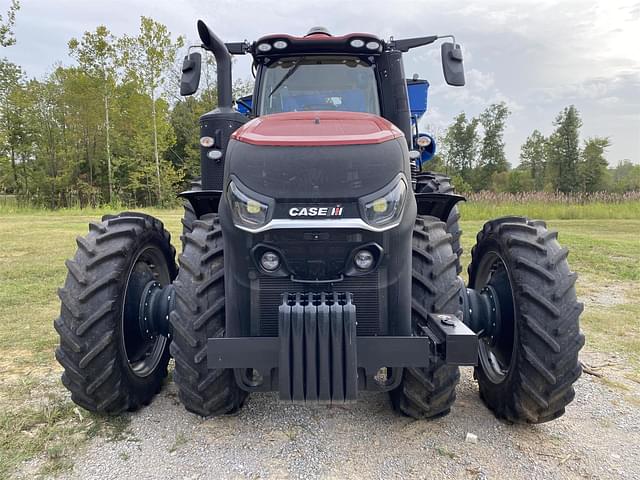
[110,365]
[199,315]
[430,392]
[431,182]
[527,367]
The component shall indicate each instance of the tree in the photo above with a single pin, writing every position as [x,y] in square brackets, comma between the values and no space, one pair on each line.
[460,146]
[513,181]
[185,116]
[149,58]
[11,78]
[626,177]
[7,37]
[563,151]
[532,158]
[184,119]
[492,157]
[594,165]
[96,55]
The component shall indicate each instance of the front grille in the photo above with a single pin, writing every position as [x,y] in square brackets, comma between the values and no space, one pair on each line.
[319,254]
[366,298]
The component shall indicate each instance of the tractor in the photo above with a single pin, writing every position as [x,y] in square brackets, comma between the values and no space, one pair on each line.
[319,257]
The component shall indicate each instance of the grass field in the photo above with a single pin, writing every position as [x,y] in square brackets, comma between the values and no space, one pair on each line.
[37,419]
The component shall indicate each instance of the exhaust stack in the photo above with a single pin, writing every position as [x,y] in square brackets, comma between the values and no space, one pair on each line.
[212,42]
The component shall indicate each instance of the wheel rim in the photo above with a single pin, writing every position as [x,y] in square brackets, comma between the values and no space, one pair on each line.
[497,346]
[143,349]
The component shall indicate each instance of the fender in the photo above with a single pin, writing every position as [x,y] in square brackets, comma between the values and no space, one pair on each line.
[437,205]
[203,201]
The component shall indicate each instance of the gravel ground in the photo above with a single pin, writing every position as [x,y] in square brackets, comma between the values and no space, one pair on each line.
[597,438]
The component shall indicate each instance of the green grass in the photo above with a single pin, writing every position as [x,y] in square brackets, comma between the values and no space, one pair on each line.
[552,210]
[471,210]
[606,256]
[606,249]
[37,418]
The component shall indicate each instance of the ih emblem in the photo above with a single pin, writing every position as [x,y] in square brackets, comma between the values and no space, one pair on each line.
[316,211]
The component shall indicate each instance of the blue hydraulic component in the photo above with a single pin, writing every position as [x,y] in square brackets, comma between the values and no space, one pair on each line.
[243,103]
[417,90]
[426,145]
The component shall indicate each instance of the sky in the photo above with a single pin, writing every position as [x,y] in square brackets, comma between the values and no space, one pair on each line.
[537,56]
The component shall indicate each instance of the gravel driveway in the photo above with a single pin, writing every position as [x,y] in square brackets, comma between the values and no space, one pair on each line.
[597,438]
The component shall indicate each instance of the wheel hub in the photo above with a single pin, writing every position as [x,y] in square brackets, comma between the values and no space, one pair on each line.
[156,304]
[490,313]
[482,312]
[143,324]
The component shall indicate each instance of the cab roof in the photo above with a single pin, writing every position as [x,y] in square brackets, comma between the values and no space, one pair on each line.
[317,41]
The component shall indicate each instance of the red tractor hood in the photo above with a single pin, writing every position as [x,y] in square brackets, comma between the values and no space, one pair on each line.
[317,128]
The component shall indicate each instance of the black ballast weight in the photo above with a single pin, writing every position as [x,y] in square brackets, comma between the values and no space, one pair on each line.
[317,354]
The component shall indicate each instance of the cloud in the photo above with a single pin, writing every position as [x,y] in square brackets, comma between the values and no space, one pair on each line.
[536,55]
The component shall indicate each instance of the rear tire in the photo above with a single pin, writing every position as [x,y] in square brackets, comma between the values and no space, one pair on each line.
[189,213]
[187,219]
[109,365]
[527,377]
[431,182]
[199,315]
[430,392]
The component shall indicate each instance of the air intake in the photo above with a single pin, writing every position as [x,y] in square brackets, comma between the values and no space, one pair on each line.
[318,31]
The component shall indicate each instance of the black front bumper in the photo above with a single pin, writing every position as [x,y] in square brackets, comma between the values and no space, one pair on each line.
[318,356]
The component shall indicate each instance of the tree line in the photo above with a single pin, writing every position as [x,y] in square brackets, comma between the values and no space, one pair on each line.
[112,129]
[109,129]
[472,152]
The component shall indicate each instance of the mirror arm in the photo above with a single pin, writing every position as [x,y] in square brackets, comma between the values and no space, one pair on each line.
[407,44]
[238,48]
[452,37]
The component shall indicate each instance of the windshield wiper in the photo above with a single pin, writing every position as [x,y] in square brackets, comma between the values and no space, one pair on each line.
[291,71]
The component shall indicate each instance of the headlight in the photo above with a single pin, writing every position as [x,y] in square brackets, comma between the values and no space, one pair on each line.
[246,211]
[423,142]
[387,208]
[373,45]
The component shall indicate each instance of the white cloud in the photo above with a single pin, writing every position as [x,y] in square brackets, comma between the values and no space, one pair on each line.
[536,55]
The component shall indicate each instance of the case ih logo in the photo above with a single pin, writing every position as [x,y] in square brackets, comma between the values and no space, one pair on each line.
[316,211]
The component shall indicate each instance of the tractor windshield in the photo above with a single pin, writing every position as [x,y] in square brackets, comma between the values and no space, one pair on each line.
[319,83]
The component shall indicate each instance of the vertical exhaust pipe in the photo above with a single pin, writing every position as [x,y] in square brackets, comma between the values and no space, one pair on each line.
[212,42]
[220,123]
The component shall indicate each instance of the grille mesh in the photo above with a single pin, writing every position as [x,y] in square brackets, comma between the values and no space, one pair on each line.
[365,298]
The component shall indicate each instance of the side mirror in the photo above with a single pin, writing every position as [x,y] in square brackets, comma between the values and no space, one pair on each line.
[191,67]
[452,66]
